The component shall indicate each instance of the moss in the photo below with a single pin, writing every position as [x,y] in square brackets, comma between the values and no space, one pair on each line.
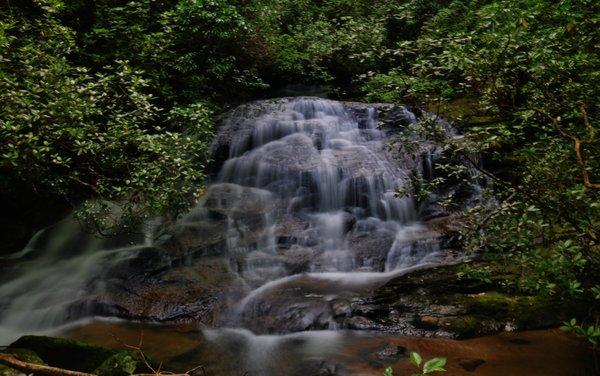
[463,326]
[24,355]
[77,356]
[468,326]
[524,311]
[65,353]
[121,364]
[427,322]
[467,300]
[7,371]
[465,109]
[491,304]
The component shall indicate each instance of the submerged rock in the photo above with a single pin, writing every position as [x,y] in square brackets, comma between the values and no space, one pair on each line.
[470,365]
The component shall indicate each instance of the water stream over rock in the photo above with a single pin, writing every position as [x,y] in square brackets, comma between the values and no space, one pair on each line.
[301,221]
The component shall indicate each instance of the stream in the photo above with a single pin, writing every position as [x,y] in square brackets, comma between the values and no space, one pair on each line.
[271,272]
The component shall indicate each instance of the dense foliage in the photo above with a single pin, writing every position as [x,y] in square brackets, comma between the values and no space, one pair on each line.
[531,70]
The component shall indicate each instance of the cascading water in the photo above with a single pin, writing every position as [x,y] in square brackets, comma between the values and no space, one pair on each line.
[302,218]
[59,269]
[329,175]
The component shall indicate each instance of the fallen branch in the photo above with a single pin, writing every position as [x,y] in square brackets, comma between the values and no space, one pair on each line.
[13,361]
[158,371]
[38,369]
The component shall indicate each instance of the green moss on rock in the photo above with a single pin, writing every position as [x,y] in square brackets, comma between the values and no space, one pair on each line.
[121,364]
[65,353]
[79,356]
[466,301]
[7,371]
[25,355]
[22,354]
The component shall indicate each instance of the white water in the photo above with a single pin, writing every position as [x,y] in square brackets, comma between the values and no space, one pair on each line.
[54,287]
[309,165]
[325,167]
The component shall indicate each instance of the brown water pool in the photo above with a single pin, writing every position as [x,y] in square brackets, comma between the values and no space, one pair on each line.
[547,352]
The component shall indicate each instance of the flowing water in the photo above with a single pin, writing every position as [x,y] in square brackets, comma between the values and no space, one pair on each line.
[301,220]
[547,352]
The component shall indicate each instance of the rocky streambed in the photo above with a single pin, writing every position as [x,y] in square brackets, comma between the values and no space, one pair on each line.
[300,243]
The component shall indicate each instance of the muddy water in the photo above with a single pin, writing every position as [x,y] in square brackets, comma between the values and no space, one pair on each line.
[543,352]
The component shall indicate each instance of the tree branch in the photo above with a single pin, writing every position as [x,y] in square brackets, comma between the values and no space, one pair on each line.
[38,369]
[576,144]
[44,370]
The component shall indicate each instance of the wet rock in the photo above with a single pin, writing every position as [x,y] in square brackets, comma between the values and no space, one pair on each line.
[436,301]
[384,354]
[238,123]
[291,229]
[141,264]
[520,341]
[236,201]
[371,249]
[391,353]
[294,202]
[193,292]
[427,321]
[342,308]
[398,118]
[431,211]
[298,259]
[122,363]
[360,323]
[328,369]
[348,222]
[294,153]
[470,365]
[294,316]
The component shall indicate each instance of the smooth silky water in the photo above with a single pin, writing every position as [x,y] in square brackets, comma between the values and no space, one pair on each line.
[310,170]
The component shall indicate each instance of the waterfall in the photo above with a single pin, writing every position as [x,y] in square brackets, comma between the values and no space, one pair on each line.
[301,213]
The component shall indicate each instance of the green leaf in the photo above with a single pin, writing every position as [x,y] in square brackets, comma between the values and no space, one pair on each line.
[388,372]
[415,359]
[434,365]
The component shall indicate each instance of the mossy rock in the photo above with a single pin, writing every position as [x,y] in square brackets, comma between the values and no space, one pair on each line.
[65,353]
[7,371]
[25,355]
[123,363]
[79,356]
[468,326]
[524,311]
[448,301]
[22,354]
